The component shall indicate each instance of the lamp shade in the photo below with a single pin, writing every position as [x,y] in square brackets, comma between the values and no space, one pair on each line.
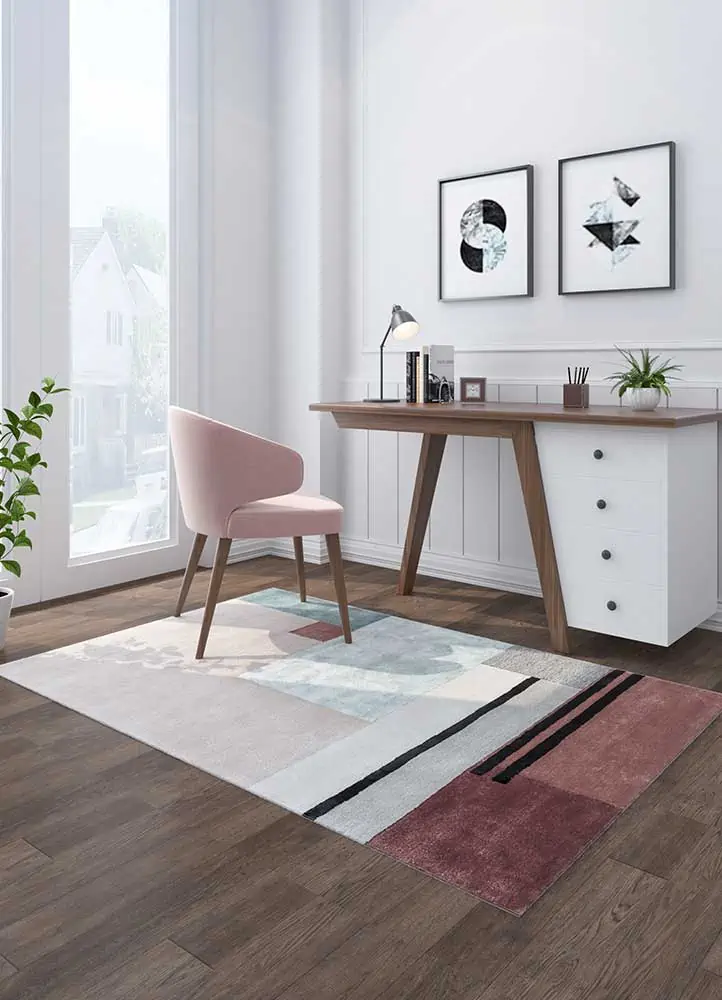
[403,324]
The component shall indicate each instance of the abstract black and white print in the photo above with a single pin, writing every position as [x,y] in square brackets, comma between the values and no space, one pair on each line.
[617,220]
[485,245]
[609,227]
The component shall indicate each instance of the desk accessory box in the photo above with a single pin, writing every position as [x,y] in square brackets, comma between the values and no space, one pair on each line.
[575,393]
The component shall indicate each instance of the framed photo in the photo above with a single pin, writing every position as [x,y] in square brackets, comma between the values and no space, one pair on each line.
[472,390]
[486,242]
[617,220]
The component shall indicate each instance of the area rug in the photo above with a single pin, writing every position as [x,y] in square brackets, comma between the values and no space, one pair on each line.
[486,765]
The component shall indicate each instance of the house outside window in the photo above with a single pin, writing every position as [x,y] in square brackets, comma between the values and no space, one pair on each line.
[78,423]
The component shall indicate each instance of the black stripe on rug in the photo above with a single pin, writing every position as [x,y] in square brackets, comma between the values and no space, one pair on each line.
[552,741]
[359,786]
[533,731]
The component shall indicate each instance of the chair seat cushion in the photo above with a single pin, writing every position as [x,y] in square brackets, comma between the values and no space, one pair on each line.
[284,517]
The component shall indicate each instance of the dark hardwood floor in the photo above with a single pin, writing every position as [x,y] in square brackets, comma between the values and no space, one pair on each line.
[127,874]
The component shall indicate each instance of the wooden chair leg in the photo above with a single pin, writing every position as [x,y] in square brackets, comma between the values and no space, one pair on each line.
[300,570]
[219,566]
[334,557]
[193,559]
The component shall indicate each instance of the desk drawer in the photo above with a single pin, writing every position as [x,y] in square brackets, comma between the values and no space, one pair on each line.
[629,610]
[610,554]
[605,503]
[602,452]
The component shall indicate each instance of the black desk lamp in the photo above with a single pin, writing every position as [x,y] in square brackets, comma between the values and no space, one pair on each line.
[403,326]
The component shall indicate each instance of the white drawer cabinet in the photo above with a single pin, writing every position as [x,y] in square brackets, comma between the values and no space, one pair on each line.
[633,513]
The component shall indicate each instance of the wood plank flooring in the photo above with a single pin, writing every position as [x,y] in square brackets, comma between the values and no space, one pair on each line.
[127,874]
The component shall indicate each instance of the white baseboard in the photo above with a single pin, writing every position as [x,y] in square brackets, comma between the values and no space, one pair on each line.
[314,550]
[458,568]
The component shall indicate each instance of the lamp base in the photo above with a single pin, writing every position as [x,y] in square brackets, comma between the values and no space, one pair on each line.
[386,399]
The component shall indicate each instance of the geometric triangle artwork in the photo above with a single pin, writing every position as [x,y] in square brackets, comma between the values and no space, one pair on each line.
[625,192]
[606,226]
[613,234]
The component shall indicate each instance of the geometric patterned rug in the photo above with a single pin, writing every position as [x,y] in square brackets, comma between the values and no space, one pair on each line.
[486,765]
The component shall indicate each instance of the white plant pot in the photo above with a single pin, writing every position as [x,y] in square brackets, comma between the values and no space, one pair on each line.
[6,605]
[644,399]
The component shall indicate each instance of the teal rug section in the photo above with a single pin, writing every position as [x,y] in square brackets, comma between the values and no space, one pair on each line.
[391,662]
[314,608]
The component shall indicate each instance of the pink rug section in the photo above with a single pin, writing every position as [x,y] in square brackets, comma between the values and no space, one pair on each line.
[505,843]
[322,631]
[508,842]
[619,752]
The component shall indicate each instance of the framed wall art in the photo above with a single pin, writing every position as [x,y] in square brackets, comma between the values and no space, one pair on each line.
[486,241]
[617,220]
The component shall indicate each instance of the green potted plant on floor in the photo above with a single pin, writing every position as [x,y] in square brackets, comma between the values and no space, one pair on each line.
[19,464]
[644,378]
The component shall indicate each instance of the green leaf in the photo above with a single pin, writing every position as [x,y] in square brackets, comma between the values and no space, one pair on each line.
[33,429]
[27,488]
[17,510]
[46,409]
[20,448]
[11,566]
[31,514]
[62,389]
[34,399]
[7,463]
[12,416]
[23,542]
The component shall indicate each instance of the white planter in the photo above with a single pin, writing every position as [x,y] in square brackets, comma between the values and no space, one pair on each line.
[643,399]
[6,605]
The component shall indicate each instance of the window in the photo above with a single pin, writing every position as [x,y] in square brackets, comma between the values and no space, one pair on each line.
[78,423]
[120,196]
[114,328]
[121,414]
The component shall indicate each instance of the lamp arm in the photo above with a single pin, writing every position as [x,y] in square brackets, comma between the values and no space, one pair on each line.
[381,363]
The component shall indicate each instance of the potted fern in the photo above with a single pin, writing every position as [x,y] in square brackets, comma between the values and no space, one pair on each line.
[19,464]
[645,378]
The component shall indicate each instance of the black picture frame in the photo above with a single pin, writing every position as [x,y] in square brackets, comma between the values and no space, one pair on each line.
[528,168]
[672,204]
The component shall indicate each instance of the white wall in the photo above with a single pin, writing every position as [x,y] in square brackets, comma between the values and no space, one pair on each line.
[237,240]
[460,86]
[368,104]
[441,87]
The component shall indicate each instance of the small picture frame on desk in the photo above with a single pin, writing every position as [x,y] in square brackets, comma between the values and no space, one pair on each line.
[472,390]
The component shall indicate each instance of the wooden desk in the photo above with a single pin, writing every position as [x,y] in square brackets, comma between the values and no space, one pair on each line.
[517,422]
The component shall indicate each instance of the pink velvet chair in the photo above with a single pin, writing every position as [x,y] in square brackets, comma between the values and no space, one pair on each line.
[236,485]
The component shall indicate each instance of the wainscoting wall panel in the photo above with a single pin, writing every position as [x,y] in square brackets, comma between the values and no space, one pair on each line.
[478,531]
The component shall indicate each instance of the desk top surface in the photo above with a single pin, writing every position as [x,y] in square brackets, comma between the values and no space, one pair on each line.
[514,412]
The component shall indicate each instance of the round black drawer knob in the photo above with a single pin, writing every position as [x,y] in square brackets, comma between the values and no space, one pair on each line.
[601,504]
[606,554]
[598,453]
[612,605]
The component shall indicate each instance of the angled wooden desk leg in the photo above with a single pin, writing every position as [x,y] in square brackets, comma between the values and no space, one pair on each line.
[532,487]
[427,473]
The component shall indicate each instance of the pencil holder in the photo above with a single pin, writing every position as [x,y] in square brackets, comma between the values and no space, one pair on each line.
[576,395]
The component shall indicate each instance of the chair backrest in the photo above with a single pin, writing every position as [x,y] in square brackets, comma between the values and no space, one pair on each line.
[220,468]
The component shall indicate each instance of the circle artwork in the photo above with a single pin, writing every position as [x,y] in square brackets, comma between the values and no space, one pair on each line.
[483,244]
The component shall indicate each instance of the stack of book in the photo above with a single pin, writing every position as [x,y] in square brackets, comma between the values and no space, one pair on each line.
[430,375]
